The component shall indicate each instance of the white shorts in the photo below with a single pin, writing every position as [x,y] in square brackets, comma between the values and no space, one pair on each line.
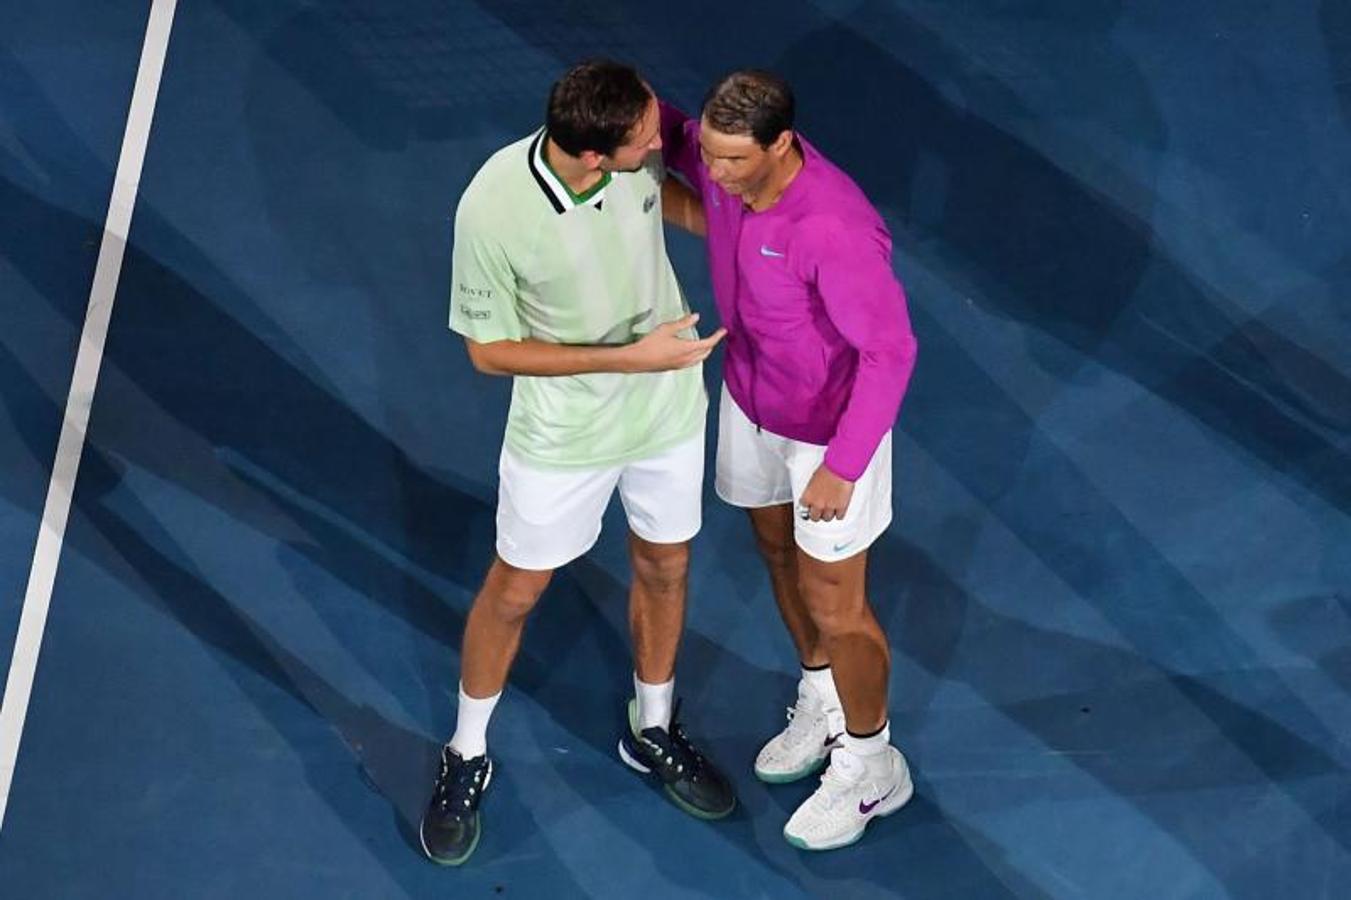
[758,468]
[548,517]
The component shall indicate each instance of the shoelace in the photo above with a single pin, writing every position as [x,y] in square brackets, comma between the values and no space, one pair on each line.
[677,751]
[837,782]
[463,780]
[692,758]
[799,723]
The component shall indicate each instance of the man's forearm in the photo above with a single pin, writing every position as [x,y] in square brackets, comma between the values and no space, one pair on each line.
[680,207]
[662,349]
[879,387]
[541,358]
[678,152]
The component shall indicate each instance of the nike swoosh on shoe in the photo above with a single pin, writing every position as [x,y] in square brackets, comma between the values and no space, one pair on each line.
[865,808]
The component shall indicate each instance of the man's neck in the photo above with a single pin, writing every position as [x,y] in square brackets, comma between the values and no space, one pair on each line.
[777,182]
[571,170]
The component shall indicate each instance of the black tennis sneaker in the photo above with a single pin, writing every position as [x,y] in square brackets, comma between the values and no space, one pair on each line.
[689,779]
[451,827]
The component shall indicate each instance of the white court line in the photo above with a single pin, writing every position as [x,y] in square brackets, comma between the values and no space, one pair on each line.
[56,511]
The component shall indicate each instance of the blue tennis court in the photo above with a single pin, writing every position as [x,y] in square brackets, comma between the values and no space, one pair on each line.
[1118,584]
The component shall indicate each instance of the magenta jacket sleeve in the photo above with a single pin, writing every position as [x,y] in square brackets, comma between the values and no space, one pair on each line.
[680,144]
[866,304]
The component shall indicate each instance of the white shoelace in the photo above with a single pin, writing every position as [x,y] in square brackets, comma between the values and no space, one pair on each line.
[800,718]
[842,776]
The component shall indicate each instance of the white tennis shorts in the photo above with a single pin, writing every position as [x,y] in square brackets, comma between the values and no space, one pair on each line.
[548,517]
[756,468]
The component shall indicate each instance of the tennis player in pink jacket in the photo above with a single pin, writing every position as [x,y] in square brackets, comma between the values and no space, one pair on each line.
[818,355]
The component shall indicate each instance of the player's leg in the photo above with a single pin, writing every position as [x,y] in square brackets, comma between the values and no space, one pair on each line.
[773,528]
[656,618]
[867,776]
[753,473]
[662,498]
[860,660]
[545,518]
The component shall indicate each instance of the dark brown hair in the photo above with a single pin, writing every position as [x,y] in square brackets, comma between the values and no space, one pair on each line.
[595,106]
[753,102]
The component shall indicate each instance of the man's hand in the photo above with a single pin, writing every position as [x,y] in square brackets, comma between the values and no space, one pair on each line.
[663,348]
[826,498]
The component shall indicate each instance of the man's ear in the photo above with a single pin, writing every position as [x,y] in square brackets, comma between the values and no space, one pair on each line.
[591,159]
[783,143]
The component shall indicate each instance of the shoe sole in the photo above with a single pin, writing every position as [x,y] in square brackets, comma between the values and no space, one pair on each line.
[789,777]
[708,816]
[895,803]
[459,860]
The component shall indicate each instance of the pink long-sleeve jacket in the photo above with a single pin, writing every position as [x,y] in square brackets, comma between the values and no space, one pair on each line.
[819,347]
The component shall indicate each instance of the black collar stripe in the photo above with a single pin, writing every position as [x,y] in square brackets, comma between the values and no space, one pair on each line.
[539,176]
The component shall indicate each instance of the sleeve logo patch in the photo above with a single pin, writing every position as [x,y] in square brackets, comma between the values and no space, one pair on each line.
[650,202]
[477,314]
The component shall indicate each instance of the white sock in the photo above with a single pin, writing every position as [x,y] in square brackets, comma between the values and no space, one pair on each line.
[471,724]
[865,747]
[654,703]
[822,681]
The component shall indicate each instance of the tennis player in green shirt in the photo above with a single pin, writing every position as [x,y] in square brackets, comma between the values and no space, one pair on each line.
[560,279]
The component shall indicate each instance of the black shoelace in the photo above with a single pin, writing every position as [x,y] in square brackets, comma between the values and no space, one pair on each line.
[677,754]
[694,759]
[459,786]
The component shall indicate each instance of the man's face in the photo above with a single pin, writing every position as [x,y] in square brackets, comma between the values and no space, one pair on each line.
[645,138]
[736,162]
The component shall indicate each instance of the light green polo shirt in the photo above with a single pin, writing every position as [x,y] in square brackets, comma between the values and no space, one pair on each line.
[533,260]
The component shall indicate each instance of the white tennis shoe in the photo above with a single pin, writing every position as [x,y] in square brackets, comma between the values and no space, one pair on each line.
[854,790]
[803,747]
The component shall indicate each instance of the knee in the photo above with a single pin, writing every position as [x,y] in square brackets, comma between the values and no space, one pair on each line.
[824,585]
[661,567]
[833,611]
[511,593]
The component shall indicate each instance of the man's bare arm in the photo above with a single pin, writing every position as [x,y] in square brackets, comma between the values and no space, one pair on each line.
[659,350]
[681,207]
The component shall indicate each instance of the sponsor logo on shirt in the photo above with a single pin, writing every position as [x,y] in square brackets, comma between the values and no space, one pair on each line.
[474,293]
[650,202]
[472,313]
[765,251]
